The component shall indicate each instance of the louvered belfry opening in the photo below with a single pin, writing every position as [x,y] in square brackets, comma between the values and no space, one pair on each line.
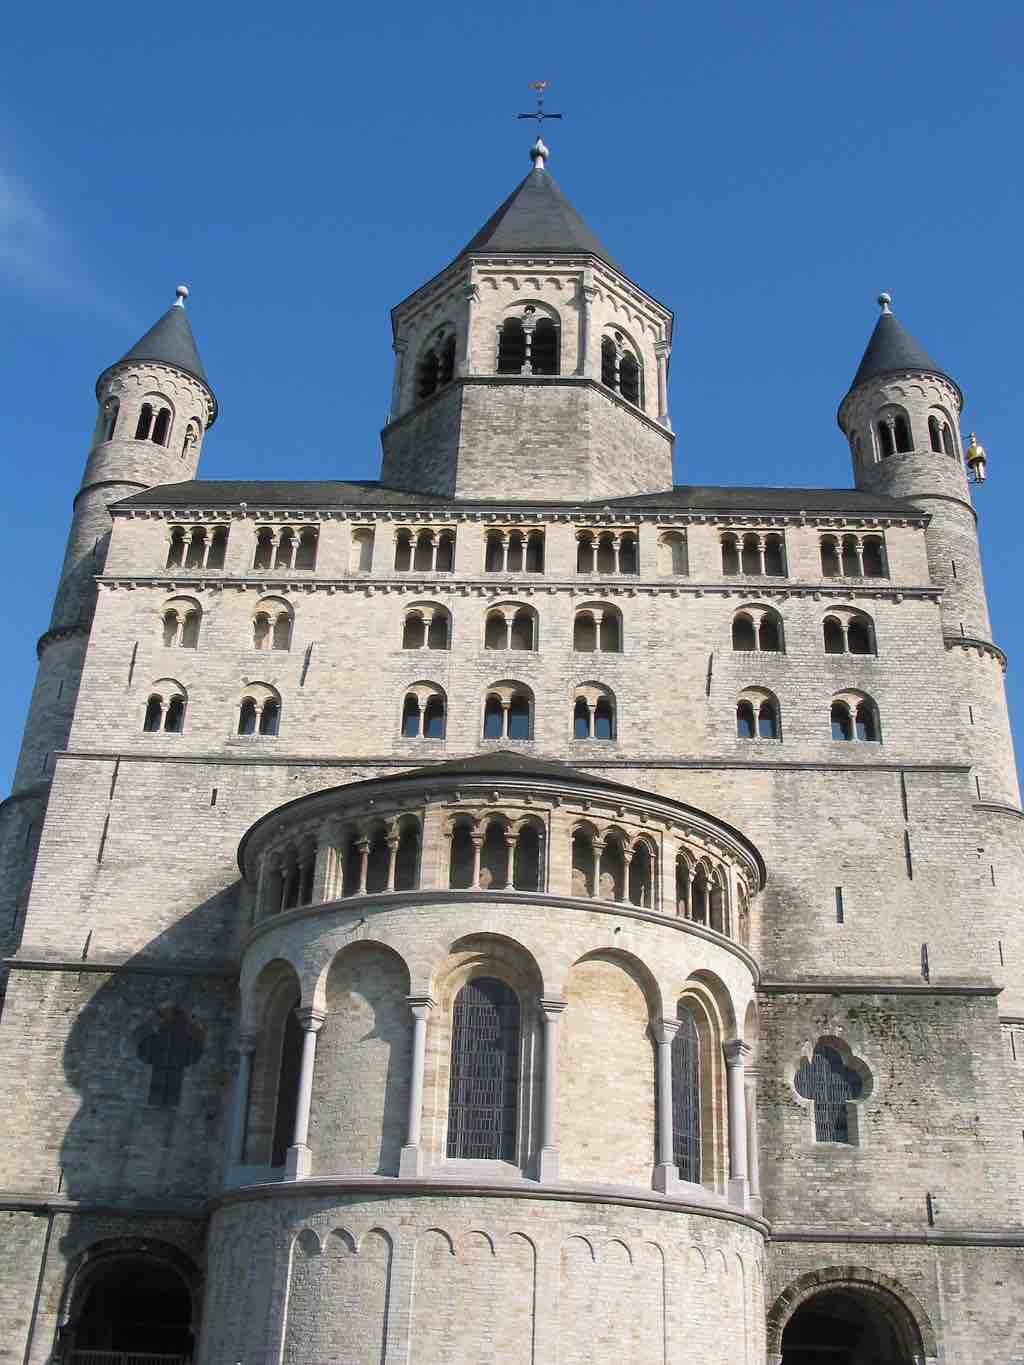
[686,1097]
[484,1072]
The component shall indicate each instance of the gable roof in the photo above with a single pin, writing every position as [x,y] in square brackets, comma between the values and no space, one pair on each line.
[537,219]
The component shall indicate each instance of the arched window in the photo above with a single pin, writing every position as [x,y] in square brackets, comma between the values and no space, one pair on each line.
[511,347]
[641,876]
[604,719]
[609,377]
[305,555]
[287,1087]
[495,631]
[886,439]
[948,444]
[403,551]
[873,555]
[584,633]
[830,1084]
[180,623]
[686,1097]
[519,717]
[270,717]
[750,555]
[581,719]
[627,554]
[438,633]
[851,561]
[745,726]
[535,552]
[527,865]
[593,713]
[154,718]
[136,1306]
[767,720]
[609,635]
[831,563]
[629,378]
[407,856]
[428,374]
[858,635]
[433,718]
[361,553]
[901,431]
[585,557]
[162,427]
[743,634]
[582,863]
[259,711]
[423,553]
[730,555]
[484,1072]
[544,347]
[494,717]
[672,555]
[174,718]
[111,408]
[833,632]
[769,634]
[774,557]
[606,552]
[145,423]
[521,631]
[842,722]
[176,548]
[447,361]
[410,717]
[866,722]
[935,434]
[190,438]
[272,625]
[247,717]
[494,857]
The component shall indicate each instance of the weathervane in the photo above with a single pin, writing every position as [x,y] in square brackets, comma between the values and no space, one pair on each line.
[538,152]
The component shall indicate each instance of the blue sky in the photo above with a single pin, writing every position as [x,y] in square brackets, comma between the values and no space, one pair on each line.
[762,169]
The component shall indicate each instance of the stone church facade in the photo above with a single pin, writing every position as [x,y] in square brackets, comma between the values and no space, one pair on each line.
[521,909]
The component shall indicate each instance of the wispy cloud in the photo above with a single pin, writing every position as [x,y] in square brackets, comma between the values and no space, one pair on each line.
[37,252]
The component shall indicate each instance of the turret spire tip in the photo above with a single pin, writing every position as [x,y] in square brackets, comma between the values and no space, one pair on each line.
[885,302]
[182,295]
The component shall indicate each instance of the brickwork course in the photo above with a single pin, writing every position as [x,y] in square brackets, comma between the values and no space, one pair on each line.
[712,789]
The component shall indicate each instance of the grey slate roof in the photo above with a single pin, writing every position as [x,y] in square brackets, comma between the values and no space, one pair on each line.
[314,493]
[538,219]
[890,349]
[170,341]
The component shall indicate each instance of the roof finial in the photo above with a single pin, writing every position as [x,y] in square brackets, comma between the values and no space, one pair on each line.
[182,293]
[884,300]
[538,152]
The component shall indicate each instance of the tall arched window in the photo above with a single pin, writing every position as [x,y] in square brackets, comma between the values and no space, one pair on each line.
[935,434]
[901,430]
[110,410]
[830,1084]
[484,1072]
[544,347]
[743,634]
[842,722]
[428,374]
[608,367]
[145,423]
[511,347]
[629,378]
[948,444]
[287,1087]
[686,1097]
[162,427]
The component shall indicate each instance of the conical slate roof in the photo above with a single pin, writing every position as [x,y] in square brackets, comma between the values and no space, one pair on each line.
[170,342]
[890,349]
[536,219]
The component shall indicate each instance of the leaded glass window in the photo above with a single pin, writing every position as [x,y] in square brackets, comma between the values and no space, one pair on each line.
[485,1071]
[686,1097]
[831,1084]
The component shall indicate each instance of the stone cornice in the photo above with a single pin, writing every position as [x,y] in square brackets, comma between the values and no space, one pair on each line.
[215,968]
[981,646]
[13,1201]
[879,985]
[489,585]
[366,905]
[999,808]
[439,511]
[420,760]
[957,1237]
[382,1186]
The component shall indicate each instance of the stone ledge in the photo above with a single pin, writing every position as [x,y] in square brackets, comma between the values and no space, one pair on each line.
[998,808]
[11,1201]
[982,646]
[964,1237]
[564,1193]
[122,966]
[880,985]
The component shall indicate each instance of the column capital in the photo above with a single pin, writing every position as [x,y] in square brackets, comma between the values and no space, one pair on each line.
[311,1019]
[551,1007]
[421,1005]
[736,1051]
[663,348]
[399,346]
[246,1043]
[664,1029]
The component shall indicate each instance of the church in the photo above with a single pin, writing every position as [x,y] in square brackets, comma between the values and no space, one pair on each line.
[521,909]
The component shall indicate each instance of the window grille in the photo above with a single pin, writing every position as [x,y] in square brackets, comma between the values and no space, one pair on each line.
[686,1097]
[484,1072]
[831,1084]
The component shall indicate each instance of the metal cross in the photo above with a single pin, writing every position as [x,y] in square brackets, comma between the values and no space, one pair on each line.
[541,114]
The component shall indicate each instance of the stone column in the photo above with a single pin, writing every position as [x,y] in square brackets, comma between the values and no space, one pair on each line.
[586,299]
[363,848]
[299,1162]
[393,839]
[666,1173]
[736,1052]
[240,1101]
[511,840]
[399,348]
[662,351]
[598,848]
[464,363]
[547,1161]
[410,1162]
[477,841]
[328,861]
[753,1153]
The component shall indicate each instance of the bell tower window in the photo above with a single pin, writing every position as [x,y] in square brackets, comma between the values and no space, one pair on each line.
[511,347]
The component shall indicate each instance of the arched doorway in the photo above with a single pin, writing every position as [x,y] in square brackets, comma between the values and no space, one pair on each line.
[133,1309]
[849,1325]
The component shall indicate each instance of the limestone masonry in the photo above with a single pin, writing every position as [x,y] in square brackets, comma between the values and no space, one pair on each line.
[520,910]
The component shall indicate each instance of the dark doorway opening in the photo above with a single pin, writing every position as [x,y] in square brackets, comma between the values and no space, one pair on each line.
[847,1327]
[137,1309]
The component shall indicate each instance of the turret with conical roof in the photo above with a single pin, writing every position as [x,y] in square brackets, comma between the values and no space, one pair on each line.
[155,405]
[531,362]
[901,417]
